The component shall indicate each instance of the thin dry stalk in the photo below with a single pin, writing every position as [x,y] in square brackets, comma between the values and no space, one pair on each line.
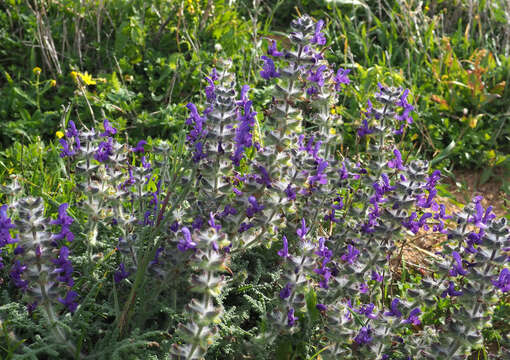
[45,39]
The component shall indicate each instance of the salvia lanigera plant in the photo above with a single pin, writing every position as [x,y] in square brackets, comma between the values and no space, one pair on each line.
[174,224]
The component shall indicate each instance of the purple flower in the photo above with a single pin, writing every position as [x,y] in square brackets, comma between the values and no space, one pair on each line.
[71,130]
[341,78]
[311,147]
[199,153]
[209,90]
[291,318]
[363,336]
[197,121]
[364,129]
[64,221]
[174,226]
[15,275]
[367,311]
[312,90]
[407,108]
[108,129]
[503,282]
[212,224]
[244,95]
[243,136]
[244,226]
[147,216]
[399,131]
[121,274]
[457,265]
[376,276]
[155,261]
[371,112]
[301,232]
[104,151]
[186,243]
[397,162]
[214,74]
[31,307]
[351,255]
[69,301]
[386,182]
[228,210]
[415,225]
[290,192]
[480,219]
[363,288]
[273,51]
[263,178]
[5,226]
[64,266]
[254,208]
[441,214]
[65,151]
[197,223]
[331,217]
[413,317]
[269,70]
[286,291]
[145,163]
[323,249]
[394,311]
[139,147]
[317,76]
[321,307]
[325,272]
[320,177]
[285,251]
[428,202]
[433,179]
[318,37]
[451,291]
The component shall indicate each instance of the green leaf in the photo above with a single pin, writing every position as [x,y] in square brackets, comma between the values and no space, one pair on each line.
[443,154]
[25,96]
[284,351]
[486,175]
[311,302]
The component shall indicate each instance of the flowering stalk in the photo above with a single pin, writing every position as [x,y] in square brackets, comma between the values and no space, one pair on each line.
[36,272]
[199,331]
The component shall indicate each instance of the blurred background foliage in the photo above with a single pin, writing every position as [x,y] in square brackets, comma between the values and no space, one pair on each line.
[139,62]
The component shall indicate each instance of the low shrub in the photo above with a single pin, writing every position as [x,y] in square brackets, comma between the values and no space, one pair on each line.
[256,234]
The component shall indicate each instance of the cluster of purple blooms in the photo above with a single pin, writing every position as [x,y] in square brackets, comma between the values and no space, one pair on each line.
[5,231]
[103,148]
[338,220]
[28,255]
[398,187]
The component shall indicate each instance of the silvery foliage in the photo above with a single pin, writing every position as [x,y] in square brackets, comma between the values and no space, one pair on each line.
[342,219]
[338,220]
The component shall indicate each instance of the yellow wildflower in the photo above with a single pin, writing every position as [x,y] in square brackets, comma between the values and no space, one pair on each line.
[53,82]
[37,70]
[87,79]
[59,134]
